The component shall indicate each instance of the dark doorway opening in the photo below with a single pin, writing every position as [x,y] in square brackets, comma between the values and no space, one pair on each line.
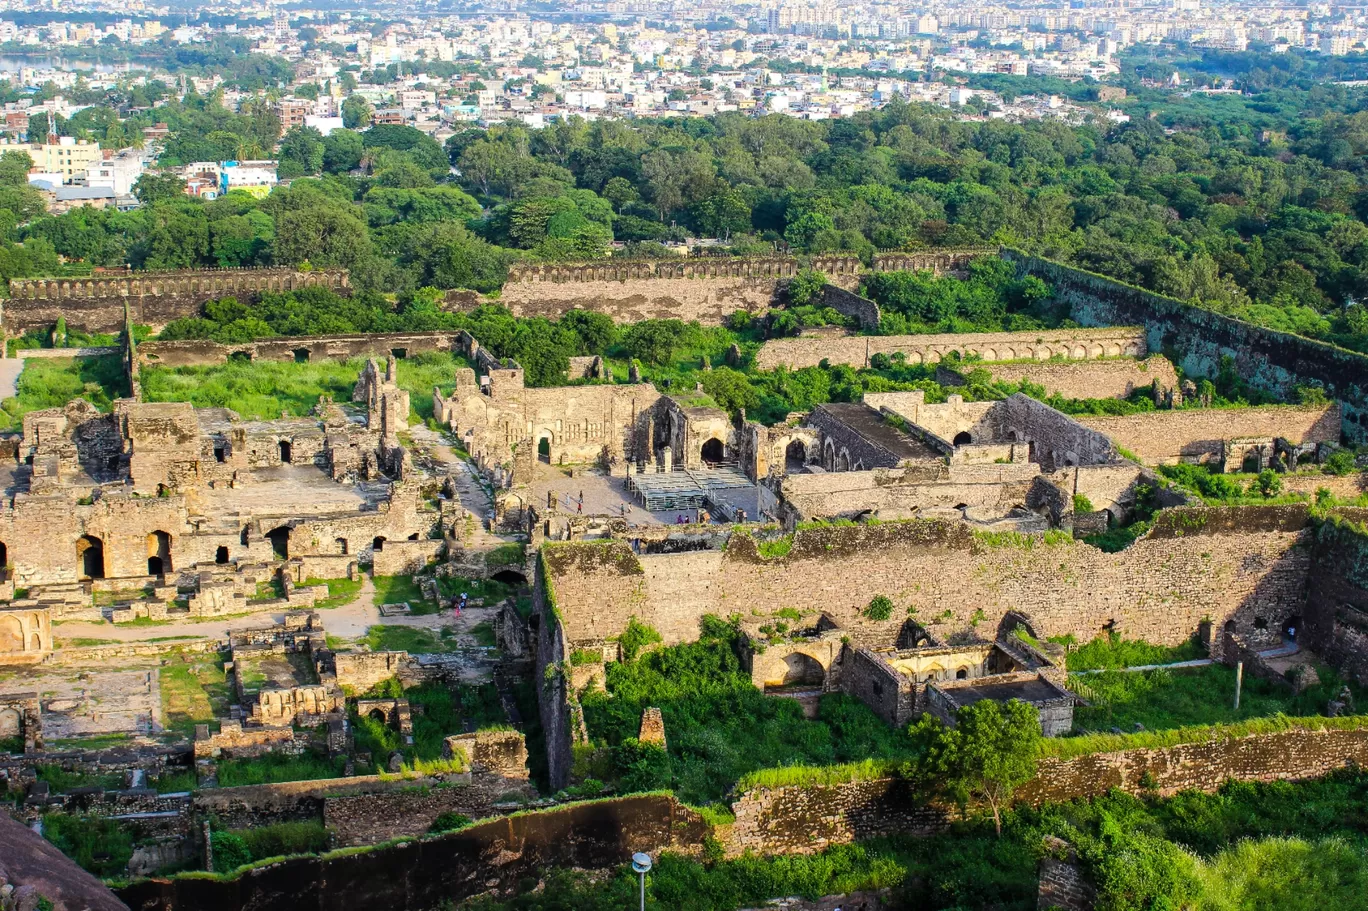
[509,577]
[962,438]
[220,454]
[221,556]
[378,544]
[280,541]
[90,555]
[286,452]
[795,456]
[712,451]
[544,449]
[301,355]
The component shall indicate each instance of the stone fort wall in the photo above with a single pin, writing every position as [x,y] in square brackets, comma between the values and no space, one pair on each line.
[1240,565]
[1086,379]
[804,819]
[856,351]
[1199,434]
[196,352]
[1199,339]
[153,298]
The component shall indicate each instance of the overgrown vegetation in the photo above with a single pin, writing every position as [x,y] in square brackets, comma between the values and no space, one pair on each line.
[102,846]
[275,767]
[719,726]
[53,382]
[233,848]
[1114,651]
[194,690]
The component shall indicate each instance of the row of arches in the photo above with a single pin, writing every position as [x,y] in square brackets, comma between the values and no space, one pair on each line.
[1069,351]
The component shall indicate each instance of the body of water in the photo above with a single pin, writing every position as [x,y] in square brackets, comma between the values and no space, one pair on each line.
[13,64]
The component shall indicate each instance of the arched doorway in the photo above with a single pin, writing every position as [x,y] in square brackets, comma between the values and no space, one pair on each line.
[795,456]
[962,438]
[802,670]
[36,643]
[842,461]
[544,450]
[11,725]
[90,557]
[510,577]
[712,451]
[245,537]
[286,452]
[158,553]
[280,541]
[11,635]
[378,543]
[221,556]
[378,716]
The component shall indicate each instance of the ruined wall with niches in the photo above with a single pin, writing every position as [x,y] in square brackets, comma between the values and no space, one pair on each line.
[1041,345]
[1198,339]
[1115,379]
[706,289]
[937,261]
[1199,434]
[1241,564]
[804,819]
[154,298]
[300,348]
[420,875]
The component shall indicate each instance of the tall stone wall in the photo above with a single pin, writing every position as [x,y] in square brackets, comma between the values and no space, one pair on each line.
[1242,565]
[1198,339]
[153,298]
[1088,379]
[1041,345]
[804,819]
[421,875]
[1336,621]
[705,289]
[1199,434]
[300,348]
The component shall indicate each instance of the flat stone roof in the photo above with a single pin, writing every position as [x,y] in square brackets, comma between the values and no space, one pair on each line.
[1032,691]
[870,424]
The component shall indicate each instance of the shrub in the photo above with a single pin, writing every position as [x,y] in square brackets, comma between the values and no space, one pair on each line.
[308,837]
[1268,483]
[635,637]
[1082,503]
[230,851]
[99,845]
[1341,462]
[881,608]
[449,822]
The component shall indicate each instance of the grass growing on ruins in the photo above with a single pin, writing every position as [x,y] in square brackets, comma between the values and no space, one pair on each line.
[51,383]
[101,846]
[401,589]
[1113,651]
[340,592]
[174,782]
[277,767]
[718,726]
[60,780]
[83,642]
[1178,697]
[194,690]
[438,712]
[263,390]
[412,639]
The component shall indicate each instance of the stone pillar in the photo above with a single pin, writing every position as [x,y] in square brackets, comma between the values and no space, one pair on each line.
[652,728]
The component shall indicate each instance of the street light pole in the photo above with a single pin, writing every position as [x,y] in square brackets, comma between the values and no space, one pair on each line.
[641,864]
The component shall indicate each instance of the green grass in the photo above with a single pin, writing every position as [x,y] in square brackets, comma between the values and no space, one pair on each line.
[84,642]
[412,639]
[194,690]
[484,633]
[174,782]
[51,383]
[276,767]
[1180,697]
[60,780]
[1115,652]
[101,846]
[340,592]
[719,727]
[398,589]
[439,711]
[264,389]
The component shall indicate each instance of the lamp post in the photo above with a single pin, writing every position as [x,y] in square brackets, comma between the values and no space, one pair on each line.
[641,864]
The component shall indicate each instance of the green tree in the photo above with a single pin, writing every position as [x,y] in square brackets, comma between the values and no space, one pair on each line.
[805,288]
[301,153]
[356,111]
[152,188]
[990,752]
[653,341]
[342,150]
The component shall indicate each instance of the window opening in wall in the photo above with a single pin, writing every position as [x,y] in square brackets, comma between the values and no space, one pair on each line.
[544,449]
[280,541]
[378,544]
[240,357]
[220,454]
[221,556]
[90,557]
[712,451]
[962,438]
[286,452]
[301,355]
[341,546]
[399,353]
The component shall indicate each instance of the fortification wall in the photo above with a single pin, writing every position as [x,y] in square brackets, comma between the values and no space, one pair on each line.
[804,819]
[1198,339]
[306,348]
[368,819]
[1199,434]
[420,875]
[1115,379]
[1239,565]
[153,298]
[856,350]
[1336,621]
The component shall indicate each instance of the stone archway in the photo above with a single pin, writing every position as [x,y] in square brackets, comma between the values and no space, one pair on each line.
[90,557]
[280,541]
[795,456]
[802,669]
[158,553]
[713,451]
[963,438]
